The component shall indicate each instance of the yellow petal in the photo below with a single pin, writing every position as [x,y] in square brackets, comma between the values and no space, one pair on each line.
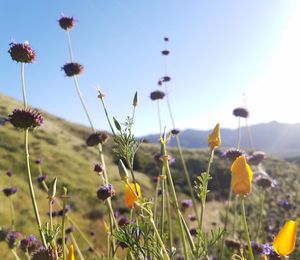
[70,253]
[241,180]
[130,196]
[284,242]
[214,139]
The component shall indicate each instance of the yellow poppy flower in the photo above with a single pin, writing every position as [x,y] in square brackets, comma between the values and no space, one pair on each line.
[214,139]
[241,179]
[70,253]
[284,242]
[130,196]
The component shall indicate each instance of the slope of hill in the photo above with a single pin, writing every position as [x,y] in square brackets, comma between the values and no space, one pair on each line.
[274,138]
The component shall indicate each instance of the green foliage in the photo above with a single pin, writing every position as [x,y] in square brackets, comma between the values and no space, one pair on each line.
[201,185]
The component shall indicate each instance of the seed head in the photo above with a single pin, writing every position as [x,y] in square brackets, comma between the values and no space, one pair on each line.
[9,191]
[73,68]
[26,118]
[157,94]
[98,168]
[66,23]
[22,52]
[105,192]
[241,112]
[96,138]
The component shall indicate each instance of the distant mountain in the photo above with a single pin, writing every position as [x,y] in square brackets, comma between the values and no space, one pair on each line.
[275,138]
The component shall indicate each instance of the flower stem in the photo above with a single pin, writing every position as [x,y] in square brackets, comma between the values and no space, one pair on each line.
[77,247]
[70,46]
[203,200]
[162,216]
[15,254]
[170,230]
[225,224]
[23,84]
[246,228]
[261,210]
[12,210]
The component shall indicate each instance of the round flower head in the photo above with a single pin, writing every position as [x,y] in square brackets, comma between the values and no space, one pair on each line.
[9,191]
[241,180]
[22,52]
[9,173]
[45,254]
[157,94]
[166,39]
[230,243]
[66,23]
[214,139]
[105,192]
[166,79]
[130,196]
[175,131]
[26,118]
[96,138]
[263,181]
[256,158]
[232,153]
[284,242]
[73,68]
[241,112]
[186,203]
[98,167]
[41,178]
[13,238]
[165,52]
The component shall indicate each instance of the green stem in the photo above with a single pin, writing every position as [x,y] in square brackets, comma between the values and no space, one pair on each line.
[106,113]
[178,213]
[225,224]
[170,230]
[63,227]
[12,210]
[188,233]
[246,228]
[23,84]
[77,247]
[32,194]
[15,254]
[159,117]
[162,217]
[203,200]
[166,256]
[239,134]
[156,197]
[70,46]
[262,201]
[188,179]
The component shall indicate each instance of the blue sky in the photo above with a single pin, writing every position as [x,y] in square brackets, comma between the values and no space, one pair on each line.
[220,49]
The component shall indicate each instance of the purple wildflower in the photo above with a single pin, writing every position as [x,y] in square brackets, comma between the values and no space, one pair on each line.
[22,52]
[66,23]
[241,112]
[9,191]
[26,118]
[105,192]
[186,203]
[73,68]
[157,94]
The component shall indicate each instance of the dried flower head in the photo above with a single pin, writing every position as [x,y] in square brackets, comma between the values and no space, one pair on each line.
[13,238]
[232,153]
[241,112]
[175,131]
[105,192]
[166,39]
[22,52]
[157,94]
[165,52]
[256,158]
[9,173]
[66,23]
[45,254]
[96,138]
[186,203]
[73,68]
[98,167]
[9,191]
[26,118]
[166,79]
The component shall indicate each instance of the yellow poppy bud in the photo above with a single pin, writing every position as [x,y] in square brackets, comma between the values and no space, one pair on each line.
[284,242]
[130,196]
[241,179]
[70,253]
[214,139]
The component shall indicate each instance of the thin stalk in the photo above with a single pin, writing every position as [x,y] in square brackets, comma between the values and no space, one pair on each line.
[75,225]
[83,103]
[188,233]
[170,230]
[225,224]
[106,113]
[235,215]
[162,216]
[249,135]
[50,213]
[23,84]
[63,235]
[156,198]
[246,228]
[70,46]
[203,200]
[261,210]
[178,213]
[239,134]
[77,247]
[12,210]
[161,243]
[159,117]
[15,254]
[32,194]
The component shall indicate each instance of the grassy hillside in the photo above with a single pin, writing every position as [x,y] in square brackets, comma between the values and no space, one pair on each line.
[61,145]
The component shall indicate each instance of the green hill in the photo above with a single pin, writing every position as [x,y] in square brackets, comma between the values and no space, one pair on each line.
[61,145]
